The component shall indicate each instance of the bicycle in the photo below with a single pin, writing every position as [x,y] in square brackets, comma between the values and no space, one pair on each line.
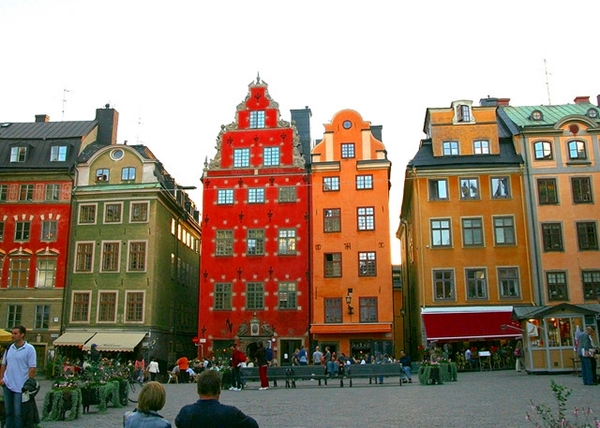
[134,386]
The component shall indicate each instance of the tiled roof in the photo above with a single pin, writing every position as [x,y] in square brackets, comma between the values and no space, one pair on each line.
[45,130]
[425,158]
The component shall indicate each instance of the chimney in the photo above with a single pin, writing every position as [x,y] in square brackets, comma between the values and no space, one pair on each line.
[582,100]
[376,130]
[39,118]
[493,101]
[108,121]
[504,102]
[301,117]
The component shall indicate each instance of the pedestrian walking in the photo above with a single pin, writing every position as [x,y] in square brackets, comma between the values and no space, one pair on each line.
[153,369]
[261,362]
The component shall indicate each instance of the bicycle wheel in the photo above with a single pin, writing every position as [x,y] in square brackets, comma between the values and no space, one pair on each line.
[134,390]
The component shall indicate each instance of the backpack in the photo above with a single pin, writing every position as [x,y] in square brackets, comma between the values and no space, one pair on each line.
[268,354]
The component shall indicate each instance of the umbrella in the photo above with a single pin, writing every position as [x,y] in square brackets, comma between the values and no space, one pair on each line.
[5,336]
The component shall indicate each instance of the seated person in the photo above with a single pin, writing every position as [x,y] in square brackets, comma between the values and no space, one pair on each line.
[469,359]
[406,366]
[152,398]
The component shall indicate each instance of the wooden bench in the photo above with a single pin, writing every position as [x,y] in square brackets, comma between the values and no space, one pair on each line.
[274,373]
[306,373]
[355,371]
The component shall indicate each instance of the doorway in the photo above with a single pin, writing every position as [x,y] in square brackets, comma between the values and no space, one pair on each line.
[286,351]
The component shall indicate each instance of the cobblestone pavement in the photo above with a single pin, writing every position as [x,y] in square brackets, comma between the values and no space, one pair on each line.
[481,399]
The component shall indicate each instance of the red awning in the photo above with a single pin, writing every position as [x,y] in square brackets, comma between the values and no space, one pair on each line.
[466,323]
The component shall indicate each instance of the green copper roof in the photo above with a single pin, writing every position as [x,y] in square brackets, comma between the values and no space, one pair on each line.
[523,116]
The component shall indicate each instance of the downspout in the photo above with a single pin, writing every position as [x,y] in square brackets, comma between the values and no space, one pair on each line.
[405,297]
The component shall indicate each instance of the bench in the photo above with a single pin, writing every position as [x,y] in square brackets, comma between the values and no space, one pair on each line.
[274,373]
[371,371]
[306,373]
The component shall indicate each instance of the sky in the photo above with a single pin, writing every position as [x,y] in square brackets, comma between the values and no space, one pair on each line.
[176,70]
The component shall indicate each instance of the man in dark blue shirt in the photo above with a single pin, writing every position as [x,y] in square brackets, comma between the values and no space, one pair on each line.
[208,412]
[406,365]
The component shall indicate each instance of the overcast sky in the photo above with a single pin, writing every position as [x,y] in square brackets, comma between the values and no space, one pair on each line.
[176,70]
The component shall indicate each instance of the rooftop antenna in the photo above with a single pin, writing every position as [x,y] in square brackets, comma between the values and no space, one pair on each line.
[63,102]
[547,80]
[137,137]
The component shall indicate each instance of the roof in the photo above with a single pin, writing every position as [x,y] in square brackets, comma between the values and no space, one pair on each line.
[522,115]
[425,158]
[45,130]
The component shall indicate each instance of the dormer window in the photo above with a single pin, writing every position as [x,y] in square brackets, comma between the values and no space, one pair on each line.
[102,174]
[18,154]
[257,119]
[537,115]
[450,148]
[481,147]
[592,113]
[463,113]
[58,153]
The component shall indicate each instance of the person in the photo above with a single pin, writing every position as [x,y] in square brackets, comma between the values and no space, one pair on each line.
[208,412]
[139,367]
[326,359]
[302,356]
[183,363]
[237,358]
[295,361]
[153,369]
[406,366]
[585,350]
[317,356]
[152,398]
[94,354]
[519,356]
[469,359]
[18,365]
[333,367]
[261,362]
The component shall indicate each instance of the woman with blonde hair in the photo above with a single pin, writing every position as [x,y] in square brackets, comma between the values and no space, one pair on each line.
[152,398]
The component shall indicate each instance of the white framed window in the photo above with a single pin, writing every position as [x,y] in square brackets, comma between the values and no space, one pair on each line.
[107,306]
[134,306]
[450,148]
[18,154]
[46,273]
[49,230]
[84,257]
[286,242]
[138,212]
[113,212]
[80,306]
[111,251]
[52,192]
[481,147]
[18,274]
[87,214]
[128,173]
[577,150]
[137,257]
[102,174]
[58,153]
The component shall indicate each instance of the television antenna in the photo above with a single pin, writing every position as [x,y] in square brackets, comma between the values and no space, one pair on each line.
[64,100]
[547,74]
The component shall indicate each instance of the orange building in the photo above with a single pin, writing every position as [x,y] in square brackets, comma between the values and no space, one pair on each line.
[351,298]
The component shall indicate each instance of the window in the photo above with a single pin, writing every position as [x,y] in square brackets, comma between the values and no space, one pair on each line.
[224,243]
[52,192]
[288,295]
[80,311]
[222,296]
[134,310]
[440,233]
[333,310]
[500,187]
[84,257]
[472,230]
[58,153]
[587,236]
[557,285]
[26,192]
[271,156]
[450,148]
[18,154]
[469,188]
[508,279]
[22,230]
[552,237]
[87,214]
[241,158]
[46,273]
[443,284]
[256,196]
[504,230]
[107,306]
[257,119]
[547,191]
[582,190]
[542,150]
[128,173]
[591,284]
[476,284]
[286,242]
[347,150]
[287,194]
[139,212]
[577,150]
[332,220]
[42,317]
[368,309]
[49,230]
[225,196]
[463,113]
[333,265]
[438,190]
[137,256]
[102,174]
[367,264]
[13,317]
[3,192]
[255,296]
[366,218]
[255,242]
[481,147]
[110,256]
[112,213]
[364,182]
[331,184]
[19,272]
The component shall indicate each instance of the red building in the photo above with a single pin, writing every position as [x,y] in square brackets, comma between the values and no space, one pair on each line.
[255,225]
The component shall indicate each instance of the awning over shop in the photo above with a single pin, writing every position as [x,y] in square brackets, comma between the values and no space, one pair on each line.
[470,323]
[74,338]
[5,336]
[115,341]
[350,328]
